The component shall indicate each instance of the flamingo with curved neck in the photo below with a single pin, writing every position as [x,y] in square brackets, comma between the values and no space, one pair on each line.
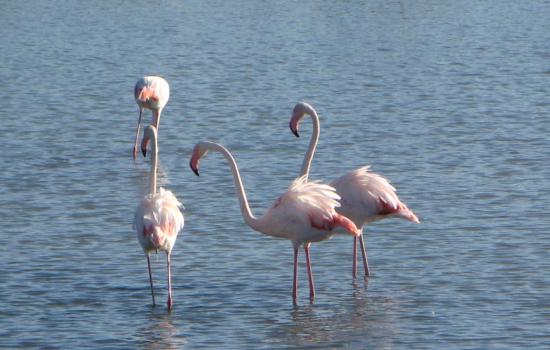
[150,92]
[305,213]
[157,219]
[366,196]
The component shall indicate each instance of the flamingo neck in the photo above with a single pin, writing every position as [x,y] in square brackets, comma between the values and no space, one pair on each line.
[154,161]
[156,117]
[306,164]
[248,217]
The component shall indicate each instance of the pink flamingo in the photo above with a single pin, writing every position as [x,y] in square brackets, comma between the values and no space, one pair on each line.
[366,196]
[158,219]
[305,213]
[150,92]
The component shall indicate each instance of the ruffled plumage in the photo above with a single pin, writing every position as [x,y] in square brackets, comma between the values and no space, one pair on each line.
[320,199]
[306,213]
[158,220]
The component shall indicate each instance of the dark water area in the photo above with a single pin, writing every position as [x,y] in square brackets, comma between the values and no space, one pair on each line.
[449,100]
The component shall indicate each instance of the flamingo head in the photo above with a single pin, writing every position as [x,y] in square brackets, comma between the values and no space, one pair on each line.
[199,151]
[149,132]
[301,109]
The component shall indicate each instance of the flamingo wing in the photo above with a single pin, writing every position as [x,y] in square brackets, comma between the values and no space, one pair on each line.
[167,214]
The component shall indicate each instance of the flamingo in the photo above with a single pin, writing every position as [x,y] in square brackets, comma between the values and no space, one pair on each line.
[158,219]
[366,196]
[150,92]
[305,213]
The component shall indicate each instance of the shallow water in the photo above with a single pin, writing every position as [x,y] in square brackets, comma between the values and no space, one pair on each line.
[448,100]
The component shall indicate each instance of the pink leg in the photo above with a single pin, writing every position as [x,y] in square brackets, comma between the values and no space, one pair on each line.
[354,265]
[169,302]
[137,134]
[310,274]
[364,252]
[151,279]
[295,283]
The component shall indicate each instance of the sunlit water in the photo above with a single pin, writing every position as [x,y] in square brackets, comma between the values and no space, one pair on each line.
[449,100]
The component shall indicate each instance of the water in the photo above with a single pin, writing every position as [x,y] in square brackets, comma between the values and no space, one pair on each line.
[447,99]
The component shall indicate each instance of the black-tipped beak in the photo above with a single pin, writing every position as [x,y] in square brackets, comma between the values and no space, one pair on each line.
[144,151]
[195,170]
[291,127]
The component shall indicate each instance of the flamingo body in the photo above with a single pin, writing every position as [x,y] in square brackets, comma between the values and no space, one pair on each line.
[368,197]
[365,196]
[157,218]
[151,92]
[305,213]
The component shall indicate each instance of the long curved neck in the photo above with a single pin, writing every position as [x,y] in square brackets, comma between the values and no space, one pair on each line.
[154,160]
[306,164]
[249,218]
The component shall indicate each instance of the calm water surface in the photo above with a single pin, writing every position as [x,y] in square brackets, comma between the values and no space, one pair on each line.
[447,99]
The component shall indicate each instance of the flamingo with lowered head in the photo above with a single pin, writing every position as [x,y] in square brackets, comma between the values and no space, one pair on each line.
[305,213]
[150,92]
[157,219]
[365,196]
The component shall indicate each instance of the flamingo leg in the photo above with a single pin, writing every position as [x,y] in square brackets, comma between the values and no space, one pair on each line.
[354,265]
[309,273]
[364,252]
[169,302]
[137,133]
[295,283]
[151,279]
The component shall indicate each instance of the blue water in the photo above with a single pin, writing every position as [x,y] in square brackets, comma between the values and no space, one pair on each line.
[449,100]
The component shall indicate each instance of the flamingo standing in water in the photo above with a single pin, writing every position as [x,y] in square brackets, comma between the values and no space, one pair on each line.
[366,196]
[305,213]
[158,219]
[150,92]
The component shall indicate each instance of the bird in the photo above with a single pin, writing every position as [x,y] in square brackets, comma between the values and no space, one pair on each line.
[151,92]
[158,218]
[305,213]
[365,196]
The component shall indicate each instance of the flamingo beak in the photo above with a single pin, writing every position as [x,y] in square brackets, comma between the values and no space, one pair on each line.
[294,128]
[198,153]
[194,168]
[144,144]
[194,165]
